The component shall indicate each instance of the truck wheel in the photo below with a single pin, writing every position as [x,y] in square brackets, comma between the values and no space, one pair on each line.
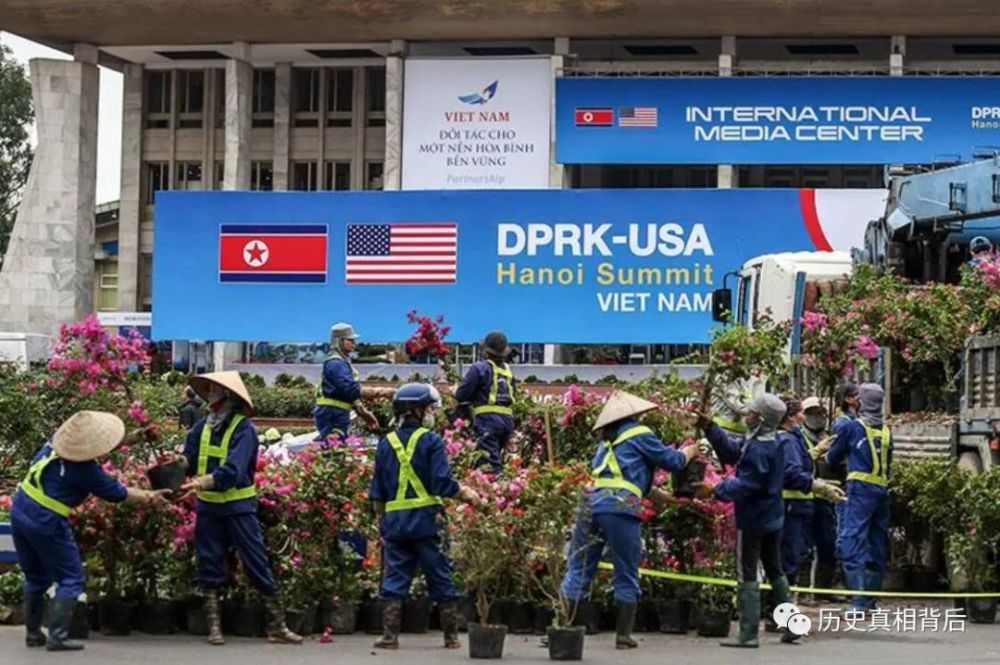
[970,462]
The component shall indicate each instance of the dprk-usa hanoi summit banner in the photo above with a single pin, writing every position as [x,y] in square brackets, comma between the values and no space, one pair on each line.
[586,266]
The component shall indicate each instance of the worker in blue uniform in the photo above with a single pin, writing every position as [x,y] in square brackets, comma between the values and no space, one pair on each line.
[866,443]
[728,410]
[339,390]
[800,489]
[756,491]
[489,387]
[221,454]
[63,475]
[412,477]
[623,470]
[981,250]
[823,535]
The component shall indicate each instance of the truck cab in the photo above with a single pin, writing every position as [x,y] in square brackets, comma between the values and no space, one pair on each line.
[777,285]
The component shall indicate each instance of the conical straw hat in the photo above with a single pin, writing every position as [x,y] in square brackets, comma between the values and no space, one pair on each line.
[231,381]
[622,405]
[87,435]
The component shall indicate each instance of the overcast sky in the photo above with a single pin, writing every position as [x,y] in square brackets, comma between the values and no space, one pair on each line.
[109,129]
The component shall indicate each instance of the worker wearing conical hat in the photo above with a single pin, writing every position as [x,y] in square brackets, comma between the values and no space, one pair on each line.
[623,471]
[221,454]
[62,476]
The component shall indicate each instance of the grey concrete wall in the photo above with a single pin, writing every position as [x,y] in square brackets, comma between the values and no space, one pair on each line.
[131,204]
[48,274]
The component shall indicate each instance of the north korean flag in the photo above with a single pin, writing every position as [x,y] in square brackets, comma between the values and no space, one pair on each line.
[595,117]
[261,253]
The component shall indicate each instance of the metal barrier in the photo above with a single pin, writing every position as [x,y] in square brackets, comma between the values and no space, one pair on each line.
[7,553]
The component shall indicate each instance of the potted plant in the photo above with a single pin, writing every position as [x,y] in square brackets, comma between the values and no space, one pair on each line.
[551,505]
[713,609]
[971,556]
[11,598]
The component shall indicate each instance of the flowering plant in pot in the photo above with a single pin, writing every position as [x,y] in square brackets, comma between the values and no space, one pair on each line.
[427,341]
[487,547]
[552,502]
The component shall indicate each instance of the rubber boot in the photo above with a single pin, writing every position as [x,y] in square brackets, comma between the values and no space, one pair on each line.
[873,582]
[782,594]
[277,631]
[825,579]
[748,606]
[392,621]
[624,625]
[213,613]
[60,620]
[768,604]
[33,607]
[855,579]
[449,625]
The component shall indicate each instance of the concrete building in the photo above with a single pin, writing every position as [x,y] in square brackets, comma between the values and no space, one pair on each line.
[300,95]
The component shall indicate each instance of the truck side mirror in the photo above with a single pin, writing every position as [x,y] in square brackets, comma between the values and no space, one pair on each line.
[722,305]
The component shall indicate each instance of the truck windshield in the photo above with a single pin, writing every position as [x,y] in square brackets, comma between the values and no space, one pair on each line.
[744,301]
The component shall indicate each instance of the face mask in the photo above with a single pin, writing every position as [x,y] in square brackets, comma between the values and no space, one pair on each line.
[428,419]
[815,422]
[751,419]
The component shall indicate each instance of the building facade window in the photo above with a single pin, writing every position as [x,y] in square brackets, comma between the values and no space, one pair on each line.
[159,88]
[157,179]
[188,175]
[339,97]
[373,175]
[375,97]
[306,96]
[304,176]
[337,176]
[263,98]
[220,174]
[145,282]
[107,297]
[220,98]
[190,98]
[261,176]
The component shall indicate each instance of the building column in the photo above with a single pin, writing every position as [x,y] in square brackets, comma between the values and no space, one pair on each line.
[282,124]
[557,172]
[897,55]
[131,203]
[728,174]
[48,273]
[392,168]
[239,96]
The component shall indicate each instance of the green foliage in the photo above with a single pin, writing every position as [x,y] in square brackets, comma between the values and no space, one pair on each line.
[23,423]
[16,116]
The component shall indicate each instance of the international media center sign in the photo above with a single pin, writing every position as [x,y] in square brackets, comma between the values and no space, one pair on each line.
[477,123]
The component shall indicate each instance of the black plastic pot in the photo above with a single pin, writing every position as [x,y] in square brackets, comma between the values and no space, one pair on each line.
[609,617]
[94,616]
[684,479]
[178,608]
[922,579]
[566,643]
[249,621]
[157,619]
[295,619]
[197,620]
[342,618]
[542,617]
[486,641]
[80,628]
[647,616]
[521,618]
[713,622]
[588,616]
[466,612]
[897,579]
[371,617]
[230,615]
[116,617]
[416,615]
[169,476]
[981,610]
[16,616]
[673,616]
[499,614]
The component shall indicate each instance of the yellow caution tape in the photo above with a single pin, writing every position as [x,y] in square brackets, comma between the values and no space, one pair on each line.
[700,579]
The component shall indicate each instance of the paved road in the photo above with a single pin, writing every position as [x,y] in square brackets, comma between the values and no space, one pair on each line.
[978,644]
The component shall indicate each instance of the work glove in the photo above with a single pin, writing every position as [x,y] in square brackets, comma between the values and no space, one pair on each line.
[691,452]
[704,490]
[659,497]
[469,495]
[822,447]
[828,491]
[705,447]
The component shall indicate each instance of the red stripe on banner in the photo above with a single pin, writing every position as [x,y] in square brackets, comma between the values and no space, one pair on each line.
[807,202]
[272,253]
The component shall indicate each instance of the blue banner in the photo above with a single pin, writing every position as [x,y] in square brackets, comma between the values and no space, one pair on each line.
[585,266]
[787,120]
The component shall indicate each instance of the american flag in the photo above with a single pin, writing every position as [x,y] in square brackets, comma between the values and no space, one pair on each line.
[402,253]
[638,116]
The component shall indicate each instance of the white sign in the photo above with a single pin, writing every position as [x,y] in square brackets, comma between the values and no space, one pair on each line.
[477,123]
[128,319]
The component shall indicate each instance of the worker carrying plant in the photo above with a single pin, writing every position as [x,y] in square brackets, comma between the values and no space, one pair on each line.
[489,388]
[339,390]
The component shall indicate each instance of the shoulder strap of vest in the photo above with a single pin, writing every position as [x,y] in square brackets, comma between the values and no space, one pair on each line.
[629,433]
